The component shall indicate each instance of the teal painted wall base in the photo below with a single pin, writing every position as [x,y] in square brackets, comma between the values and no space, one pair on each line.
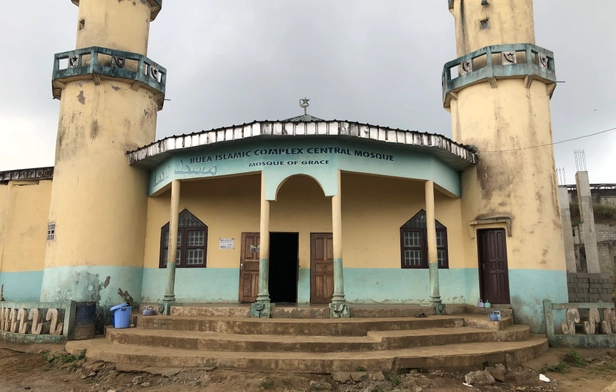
[22,286]
[210,285]
[107,286]
[528,289]
[303,286]
[393,285]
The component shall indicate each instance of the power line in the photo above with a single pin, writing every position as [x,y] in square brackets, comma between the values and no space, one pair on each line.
[554,143]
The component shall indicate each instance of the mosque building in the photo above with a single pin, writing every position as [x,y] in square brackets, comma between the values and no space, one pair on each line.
[296,211]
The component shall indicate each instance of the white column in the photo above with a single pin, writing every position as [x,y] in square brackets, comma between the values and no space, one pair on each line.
[435,295]
[264,235]
[173,242]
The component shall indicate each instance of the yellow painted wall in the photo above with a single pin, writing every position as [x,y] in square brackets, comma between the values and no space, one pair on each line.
[373,210]
[4,208]
[98,201]
[116,24]
[24,208]
[519,182]
[228,206]
[510,22]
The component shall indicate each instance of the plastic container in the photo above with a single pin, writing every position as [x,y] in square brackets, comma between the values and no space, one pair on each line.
[121,315]
[494,315]
[487,304]
[480,303]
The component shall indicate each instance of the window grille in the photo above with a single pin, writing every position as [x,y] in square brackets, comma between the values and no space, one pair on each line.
[191,243]
[414,243]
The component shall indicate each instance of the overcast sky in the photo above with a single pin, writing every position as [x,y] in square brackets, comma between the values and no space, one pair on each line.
[378,62]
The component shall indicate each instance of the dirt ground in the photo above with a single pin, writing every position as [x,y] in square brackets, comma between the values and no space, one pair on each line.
[48,368]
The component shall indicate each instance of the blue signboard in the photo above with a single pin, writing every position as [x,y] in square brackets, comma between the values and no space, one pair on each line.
[320,159]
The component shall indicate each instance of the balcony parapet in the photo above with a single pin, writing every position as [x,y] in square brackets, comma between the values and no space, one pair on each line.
[98,63]
[155,7]
[492,63]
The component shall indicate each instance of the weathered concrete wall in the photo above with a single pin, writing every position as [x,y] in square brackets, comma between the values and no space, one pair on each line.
[606,246]
[600,193]
[24,207]
[509,22]
[565,217]
[588,222]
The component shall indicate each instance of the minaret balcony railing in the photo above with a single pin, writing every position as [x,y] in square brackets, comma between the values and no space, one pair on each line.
[489,64]
[98,64]
[155,7]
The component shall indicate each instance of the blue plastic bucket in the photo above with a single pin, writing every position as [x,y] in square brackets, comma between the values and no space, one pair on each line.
[121,315]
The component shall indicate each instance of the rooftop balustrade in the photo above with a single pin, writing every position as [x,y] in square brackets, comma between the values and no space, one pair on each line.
[101,63]
[489,64]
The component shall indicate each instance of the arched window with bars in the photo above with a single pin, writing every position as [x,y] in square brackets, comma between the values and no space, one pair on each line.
[192,242]
[414,243]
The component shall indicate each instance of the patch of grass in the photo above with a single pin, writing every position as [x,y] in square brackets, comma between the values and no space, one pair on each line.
[267,384]
[360,369]
[578,360]
[50,358]
[393,379]
[67,358]
[22,369]
[558,368]
[376,389]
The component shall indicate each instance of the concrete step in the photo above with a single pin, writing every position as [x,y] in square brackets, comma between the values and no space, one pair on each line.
[451,356]
[322,311]
[372,341]
[505,310]
[302,327]
[299,311]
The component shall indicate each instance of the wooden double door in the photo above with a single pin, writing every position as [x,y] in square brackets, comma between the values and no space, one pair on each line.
[493,266]
[284,268]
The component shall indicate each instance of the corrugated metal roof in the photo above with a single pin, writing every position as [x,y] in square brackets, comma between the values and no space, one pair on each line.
[454,154]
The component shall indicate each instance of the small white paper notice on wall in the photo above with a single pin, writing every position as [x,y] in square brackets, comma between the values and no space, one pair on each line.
[226,243]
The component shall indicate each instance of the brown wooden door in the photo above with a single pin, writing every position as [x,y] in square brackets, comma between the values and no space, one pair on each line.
[321,268]
[249,268]
[493,269]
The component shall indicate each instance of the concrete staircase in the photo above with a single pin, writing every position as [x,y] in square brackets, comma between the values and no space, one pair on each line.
[304,339]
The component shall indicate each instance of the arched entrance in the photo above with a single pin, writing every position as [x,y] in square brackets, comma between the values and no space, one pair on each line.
[300,263]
